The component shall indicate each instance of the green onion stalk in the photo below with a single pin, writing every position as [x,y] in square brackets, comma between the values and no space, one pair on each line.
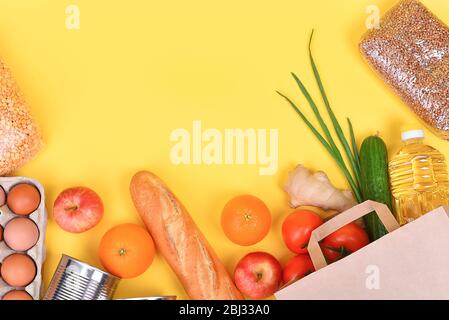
[352,174]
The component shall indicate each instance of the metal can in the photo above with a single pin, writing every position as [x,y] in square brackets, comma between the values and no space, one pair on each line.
[77,280]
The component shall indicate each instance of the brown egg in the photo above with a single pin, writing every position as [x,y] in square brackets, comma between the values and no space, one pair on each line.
[1,233]
[2,196]
[18,270]
[23,199]
[17,295]
[21,234]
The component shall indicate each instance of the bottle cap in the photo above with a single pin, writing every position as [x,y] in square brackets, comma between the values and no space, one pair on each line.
[412,134]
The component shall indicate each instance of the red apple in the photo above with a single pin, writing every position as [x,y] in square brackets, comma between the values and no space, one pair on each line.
[78,209]
[258,275]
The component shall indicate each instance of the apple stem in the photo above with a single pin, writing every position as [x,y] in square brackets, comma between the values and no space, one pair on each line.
[71,207]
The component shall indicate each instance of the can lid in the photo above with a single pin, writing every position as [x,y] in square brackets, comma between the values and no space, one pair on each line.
[412,134]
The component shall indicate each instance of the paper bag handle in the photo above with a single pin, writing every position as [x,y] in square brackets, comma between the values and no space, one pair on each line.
[348,216]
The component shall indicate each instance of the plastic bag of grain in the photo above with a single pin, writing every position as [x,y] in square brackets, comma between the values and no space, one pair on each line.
[410,51]
[20,139]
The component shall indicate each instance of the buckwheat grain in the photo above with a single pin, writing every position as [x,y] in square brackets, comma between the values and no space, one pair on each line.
[410,51]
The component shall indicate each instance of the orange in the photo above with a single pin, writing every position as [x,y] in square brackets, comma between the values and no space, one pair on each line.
[246,220]
[126,250]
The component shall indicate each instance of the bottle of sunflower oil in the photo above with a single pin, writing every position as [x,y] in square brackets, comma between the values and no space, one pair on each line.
[419,178]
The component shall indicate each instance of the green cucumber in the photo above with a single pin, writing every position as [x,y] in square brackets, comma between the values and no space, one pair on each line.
[374,182]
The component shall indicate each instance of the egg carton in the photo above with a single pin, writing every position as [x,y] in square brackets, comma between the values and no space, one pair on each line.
[37,253]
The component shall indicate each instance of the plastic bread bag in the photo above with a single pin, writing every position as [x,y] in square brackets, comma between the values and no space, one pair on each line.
[410,51]
[20,139]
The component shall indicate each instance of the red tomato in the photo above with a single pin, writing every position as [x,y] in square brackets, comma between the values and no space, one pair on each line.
[298,227]
[344,241]
[297,268]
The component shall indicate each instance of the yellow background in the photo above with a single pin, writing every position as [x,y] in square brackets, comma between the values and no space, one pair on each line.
[108,95]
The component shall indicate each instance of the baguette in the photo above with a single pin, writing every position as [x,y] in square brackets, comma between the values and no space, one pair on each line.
[179,240]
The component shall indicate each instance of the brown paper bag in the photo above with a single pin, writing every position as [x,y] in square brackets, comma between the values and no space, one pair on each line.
[411,262]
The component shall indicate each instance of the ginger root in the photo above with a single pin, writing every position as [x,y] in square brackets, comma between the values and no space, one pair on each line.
[307,189]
